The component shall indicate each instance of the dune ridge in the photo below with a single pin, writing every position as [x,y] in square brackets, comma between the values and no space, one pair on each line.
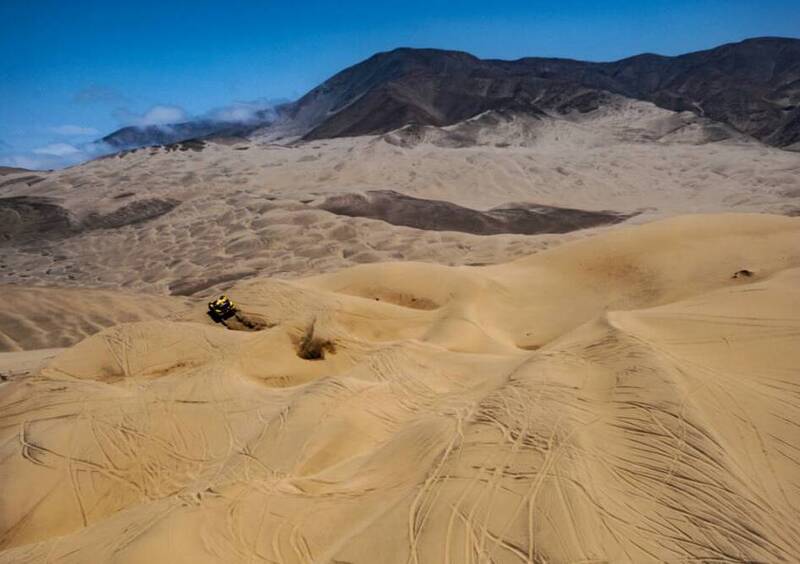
[622,397]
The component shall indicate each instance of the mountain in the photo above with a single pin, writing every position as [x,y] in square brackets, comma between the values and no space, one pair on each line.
[753,86]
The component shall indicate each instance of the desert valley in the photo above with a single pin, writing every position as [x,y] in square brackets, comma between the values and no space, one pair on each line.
[529,311]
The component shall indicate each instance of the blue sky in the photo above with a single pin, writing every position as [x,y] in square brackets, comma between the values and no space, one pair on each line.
[71,71]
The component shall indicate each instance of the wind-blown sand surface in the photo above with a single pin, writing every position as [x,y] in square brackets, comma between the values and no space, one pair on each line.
[532,383]
[622,397]
[42,317]
[188,222]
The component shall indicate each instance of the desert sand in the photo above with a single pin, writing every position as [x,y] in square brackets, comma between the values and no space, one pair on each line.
[48,317]
[622,397]
[627,391]
[251,208]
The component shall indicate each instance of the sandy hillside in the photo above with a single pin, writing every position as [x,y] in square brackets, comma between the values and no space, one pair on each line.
[622,397]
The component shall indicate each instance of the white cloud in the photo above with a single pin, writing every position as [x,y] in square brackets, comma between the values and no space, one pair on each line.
[163,115]
[74,130]
[56,156]
[242,112]
[37,162]
[25,161]
[57,150]
[157,115]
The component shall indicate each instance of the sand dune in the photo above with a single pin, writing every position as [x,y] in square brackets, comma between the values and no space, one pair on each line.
[42,317]
[622,397]
[542,387]
[169,221]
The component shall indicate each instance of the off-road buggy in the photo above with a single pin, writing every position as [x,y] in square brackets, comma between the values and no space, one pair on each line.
[221,309]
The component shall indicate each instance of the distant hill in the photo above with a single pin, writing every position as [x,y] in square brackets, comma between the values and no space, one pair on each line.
[753,86]
[134,136]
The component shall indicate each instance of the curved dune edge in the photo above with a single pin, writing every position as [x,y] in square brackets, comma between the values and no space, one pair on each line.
[618,398]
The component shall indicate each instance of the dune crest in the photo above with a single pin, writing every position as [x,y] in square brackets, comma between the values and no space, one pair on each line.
[622,397]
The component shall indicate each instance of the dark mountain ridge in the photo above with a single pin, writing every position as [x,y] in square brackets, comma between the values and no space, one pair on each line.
[753,86]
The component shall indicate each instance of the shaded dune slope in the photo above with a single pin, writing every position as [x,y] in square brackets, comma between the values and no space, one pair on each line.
[436,215]
[618,398]
[31,219]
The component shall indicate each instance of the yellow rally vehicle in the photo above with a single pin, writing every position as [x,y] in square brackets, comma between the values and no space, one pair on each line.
[221,309]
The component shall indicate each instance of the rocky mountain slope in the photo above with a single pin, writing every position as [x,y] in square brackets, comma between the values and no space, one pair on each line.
[753,86]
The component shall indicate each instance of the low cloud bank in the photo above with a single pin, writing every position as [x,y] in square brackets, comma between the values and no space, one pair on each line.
[70,144]
[73,144]
[156,115]
[162,124]
[169,115]
[57,150]
[243,112]
[54,155]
